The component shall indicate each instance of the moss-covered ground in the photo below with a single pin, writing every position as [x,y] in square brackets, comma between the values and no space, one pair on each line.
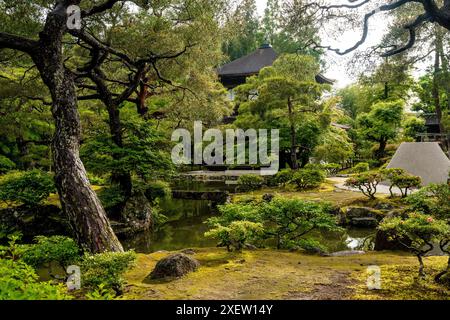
[275,274]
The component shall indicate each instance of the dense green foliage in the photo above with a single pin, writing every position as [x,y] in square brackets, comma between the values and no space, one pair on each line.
[433,199]
[360,167]
[101,274]
[50,249]
[18,281]
[366,182]
[288,222]
[381,124]
[105,269]
[284,176]
[250,182]
[288,99]
[417,233]
[236,234]
[27,187]
[308,178]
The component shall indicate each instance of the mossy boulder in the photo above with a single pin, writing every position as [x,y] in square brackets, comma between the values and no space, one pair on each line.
[136,216]
[174,266]
[363,217]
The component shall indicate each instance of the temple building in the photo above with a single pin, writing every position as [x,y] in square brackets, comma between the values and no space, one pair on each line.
[236,72]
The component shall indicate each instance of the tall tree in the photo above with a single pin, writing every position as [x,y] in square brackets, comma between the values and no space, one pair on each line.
[381,124]
[52,44]
[286,96]
[244,31]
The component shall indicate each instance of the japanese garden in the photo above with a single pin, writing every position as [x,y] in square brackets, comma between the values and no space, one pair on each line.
[224,150]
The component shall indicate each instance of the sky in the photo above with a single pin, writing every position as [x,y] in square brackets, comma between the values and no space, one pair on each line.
[338,66]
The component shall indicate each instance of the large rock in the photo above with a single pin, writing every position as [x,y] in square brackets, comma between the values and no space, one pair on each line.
[173,266]
[365,222]
[47,220]
[136,216]
[361,217]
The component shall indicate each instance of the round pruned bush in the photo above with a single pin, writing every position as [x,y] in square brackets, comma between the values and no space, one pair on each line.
[308,178]
[401,179]
[59,249]
[236,234]
[106,270]
[406,182]
[360,167]
[366,182]
[284,176]
[250,182]
[27,187]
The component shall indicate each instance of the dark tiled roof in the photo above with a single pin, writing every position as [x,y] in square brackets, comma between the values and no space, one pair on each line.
[255,61]
[249,64]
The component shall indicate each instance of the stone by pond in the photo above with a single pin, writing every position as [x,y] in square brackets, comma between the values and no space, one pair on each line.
[174,266]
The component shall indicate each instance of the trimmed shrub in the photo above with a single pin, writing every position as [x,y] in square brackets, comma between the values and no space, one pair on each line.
[308,178]
[236,234]
[61,249]
[401,179]
[250,182]
[366,182]
[290,220]
[360,167]
[284,176]
[106,269]
[432,199]
[422,231]
[27,187]
[405,182]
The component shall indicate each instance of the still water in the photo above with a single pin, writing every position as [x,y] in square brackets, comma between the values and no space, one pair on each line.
[186,228]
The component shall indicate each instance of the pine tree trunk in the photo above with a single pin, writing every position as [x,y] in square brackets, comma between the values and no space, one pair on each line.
[381,149]
[445,79]
[79,201]
[123,179]
[435,88]
[293,137]
[421,267]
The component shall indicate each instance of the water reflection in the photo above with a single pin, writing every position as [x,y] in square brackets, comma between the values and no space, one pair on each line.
[186,228]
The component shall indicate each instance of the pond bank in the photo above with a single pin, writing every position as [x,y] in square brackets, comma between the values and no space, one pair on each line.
[277,274]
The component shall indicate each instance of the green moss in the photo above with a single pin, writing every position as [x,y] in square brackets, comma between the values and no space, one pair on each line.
[400,281]
[276,274]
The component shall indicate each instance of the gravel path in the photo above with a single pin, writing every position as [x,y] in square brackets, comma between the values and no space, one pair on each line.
[381,188]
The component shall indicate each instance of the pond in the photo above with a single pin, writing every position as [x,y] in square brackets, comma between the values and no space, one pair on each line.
[186,228]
